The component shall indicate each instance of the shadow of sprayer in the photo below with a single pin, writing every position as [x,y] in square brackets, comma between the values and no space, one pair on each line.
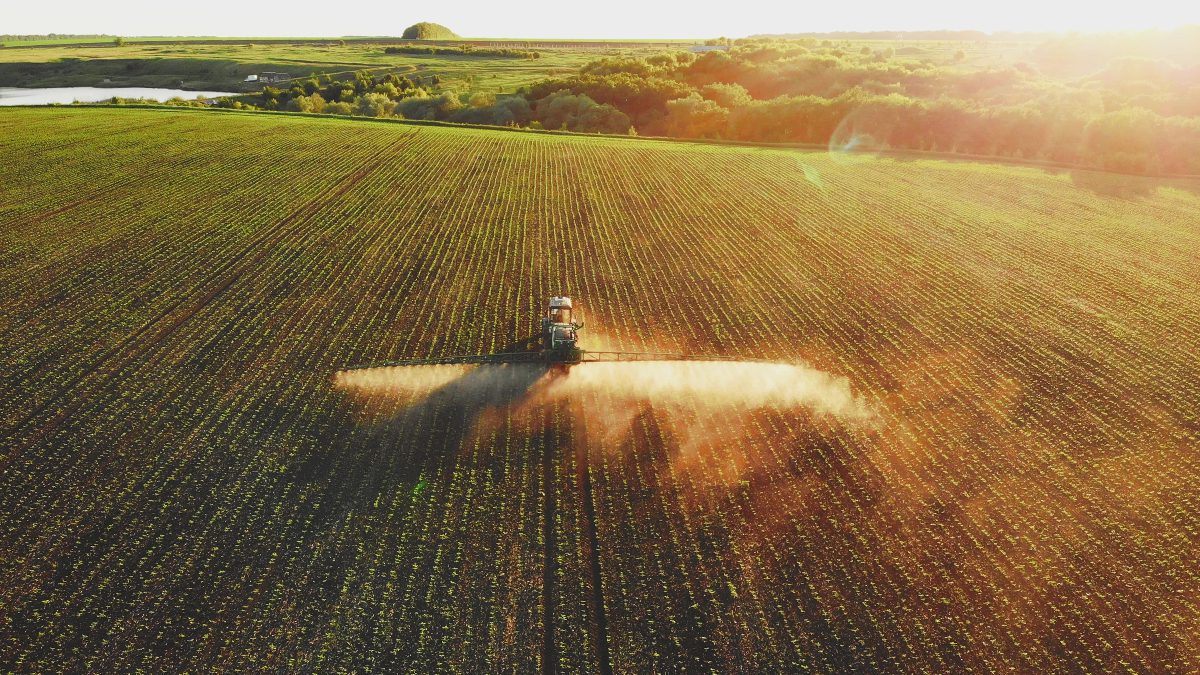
[403,421]
[422,412]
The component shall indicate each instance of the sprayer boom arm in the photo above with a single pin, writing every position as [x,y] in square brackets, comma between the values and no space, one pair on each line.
[460,359]
[546,357]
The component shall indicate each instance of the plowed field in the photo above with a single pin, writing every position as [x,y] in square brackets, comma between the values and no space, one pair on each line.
[985,452]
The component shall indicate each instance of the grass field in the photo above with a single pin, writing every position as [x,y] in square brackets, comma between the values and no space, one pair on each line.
[377,39]
[224,65]
[987,457]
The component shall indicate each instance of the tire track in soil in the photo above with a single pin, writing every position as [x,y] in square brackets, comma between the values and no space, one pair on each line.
[102,192]
[37,218]
[174,317]
[45,266]
[549,497]
[110,134]
[591,550]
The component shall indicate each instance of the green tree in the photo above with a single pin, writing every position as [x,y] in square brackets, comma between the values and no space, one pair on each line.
[374,105]
[313,103]
[578,112]
[387,89]
[1125,140]
[696,117]
[727,96]
[363,81]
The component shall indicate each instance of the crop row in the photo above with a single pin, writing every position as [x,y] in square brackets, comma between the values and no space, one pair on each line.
[184,482]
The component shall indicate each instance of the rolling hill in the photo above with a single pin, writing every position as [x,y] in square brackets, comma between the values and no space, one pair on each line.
[425,30]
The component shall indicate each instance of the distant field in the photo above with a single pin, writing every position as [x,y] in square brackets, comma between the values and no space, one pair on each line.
[108,40]
[202,39]
[1007,477]
[226,64]
[223,63]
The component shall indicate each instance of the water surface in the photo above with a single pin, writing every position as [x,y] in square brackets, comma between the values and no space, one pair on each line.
[47,95]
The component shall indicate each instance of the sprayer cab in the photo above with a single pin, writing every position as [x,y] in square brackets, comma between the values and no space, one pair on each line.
[560,331]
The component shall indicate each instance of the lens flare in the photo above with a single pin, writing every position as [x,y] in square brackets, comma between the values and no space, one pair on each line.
[853,141]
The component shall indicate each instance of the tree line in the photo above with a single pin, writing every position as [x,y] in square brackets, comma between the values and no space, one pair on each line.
[1134,114]
[399,96]
[467,50]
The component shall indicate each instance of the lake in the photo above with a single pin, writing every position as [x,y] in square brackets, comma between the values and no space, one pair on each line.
[47,95]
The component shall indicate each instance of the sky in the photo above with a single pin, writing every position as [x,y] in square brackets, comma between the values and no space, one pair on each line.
[608,19]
